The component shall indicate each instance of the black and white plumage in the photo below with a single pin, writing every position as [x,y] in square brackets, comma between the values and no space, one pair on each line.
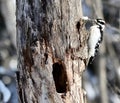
[95,38]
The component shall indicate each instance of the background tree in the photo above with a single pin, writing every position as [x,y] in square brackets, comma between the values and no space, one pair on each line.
[52,51]
[102,76]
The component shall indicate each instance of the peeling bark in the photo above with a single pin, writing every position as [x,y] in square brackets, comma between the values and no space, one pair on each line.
[52,51]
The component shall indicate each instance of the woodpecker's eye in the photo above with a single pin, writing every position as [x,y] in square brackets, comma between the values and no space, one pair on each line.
[101,22]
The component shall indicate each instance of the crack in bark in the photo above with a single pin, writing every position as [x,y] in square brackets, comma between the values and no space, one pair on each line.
[60,77]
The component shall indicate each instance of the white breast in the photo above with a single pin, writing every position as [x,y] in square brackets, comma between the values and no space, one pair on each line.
[93,39]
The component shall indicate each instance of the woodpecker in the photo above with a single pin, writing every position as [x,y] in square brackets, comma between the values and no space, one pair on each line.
[95,38]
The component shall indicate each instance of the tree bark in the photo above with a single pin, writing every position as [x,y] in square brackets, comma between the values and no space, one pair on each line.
[52,51]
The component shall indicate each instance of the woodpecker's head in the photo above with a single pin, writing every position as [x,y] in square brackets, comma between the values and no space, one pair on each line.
[101,23]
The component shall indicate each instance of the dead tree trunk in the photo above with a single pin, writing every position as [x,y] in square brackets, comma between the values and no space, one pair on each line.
[52,51]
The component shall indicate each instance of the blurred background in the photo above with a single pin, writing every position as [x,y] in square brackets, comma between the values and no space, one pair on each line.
[102,77]
[8,57]
[101,80]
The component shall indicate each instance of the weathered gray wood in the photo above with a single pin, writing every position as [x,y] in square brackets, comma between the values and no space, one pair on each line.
[52,51]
